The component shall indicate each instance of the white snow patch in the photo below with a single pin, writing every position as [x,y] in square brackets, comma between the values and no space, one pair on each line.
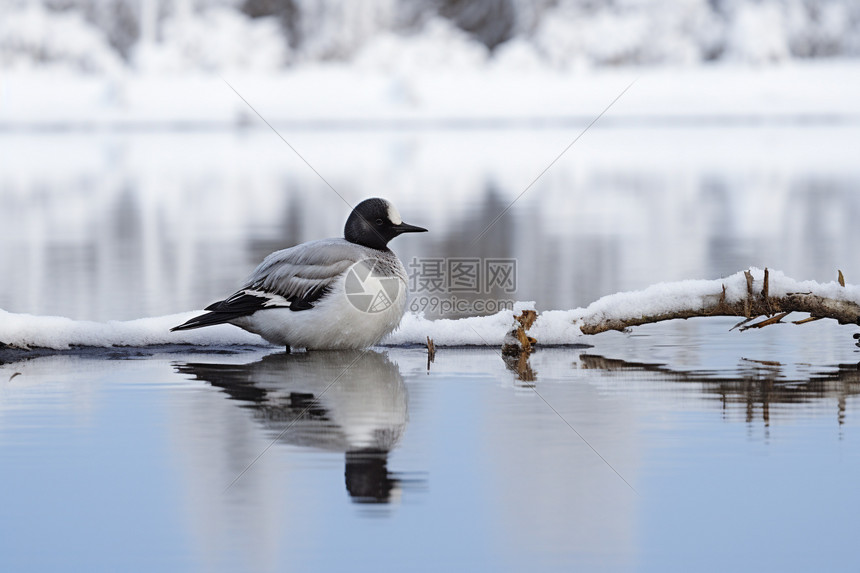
[758,35]
[471,331]
[209,40]
[439,46]
[421,94]
[31,331]
[34,37]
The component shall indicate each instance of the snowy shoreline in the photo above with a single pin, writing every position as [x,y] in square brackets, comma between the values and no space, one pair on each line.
[335,95]
[552,328]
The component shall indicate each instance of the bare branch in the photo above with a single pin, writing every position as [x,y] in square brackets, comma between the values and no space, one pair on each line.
[431,352]
[808,319]
[747,302]
[767,322]
[764,291]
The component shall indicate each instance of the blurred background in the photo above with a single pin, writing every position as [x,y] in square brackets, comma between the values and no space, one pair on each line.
[99,36]
[136,181]
[137,178]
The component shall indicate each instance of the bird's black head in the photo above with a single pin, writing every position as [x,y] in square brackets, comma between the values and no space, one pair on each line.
[374,222]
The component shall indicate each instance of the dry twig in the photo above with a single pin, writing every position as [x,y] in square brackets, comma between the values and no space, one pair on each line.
[431,352]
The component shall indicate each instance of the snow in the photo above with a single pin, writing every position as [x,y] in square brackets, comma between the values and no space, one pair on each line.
[690,294]
[31,331]
[682,33]
[356,63]
[93,36]
[440,46]
[190,43]
[38,38]
[470,331]
[551,327]
[335,94]
[758,35]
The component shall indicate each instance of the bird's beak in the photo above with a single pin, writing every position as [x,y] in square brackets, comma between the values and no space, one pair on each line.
[407,228]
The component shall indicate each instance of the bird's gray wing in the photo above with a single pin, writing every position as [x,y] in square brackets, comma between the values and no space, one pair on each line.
[304,271]
[294,278]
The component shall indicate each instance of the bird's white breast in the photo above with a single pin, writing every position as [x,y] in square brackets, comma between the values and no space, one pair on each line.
[336,321]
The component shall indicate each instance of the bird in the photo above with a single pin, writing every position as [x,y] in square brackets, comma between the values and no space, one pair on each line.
[328,294]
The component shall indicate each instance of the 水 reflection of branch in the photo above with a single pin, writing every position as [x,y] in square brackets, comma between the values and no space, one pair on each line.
[519,365]
[758,384]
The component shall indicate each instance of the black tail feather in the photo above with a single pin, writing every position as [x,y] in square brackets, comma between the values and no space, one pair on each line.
[222,311]
[246,303]
[208,319]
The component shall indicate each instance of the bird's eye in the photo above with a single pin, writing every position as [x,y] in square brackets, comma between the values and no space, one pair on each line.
[379,221]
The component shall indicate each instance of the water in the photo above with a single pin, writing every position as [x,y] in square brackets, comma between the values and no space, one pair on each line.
[678,446]
[325,461]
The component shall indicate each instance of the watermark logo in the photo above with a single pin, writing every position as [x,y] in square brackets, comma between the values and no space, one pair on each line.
[462,275]
[445,286]
[447,305]
[461,285]
[369,289]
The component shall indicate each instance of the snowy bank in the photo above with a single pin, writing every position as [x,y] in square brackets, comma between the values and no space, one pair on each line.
[59,333]
[665,301]
[348,96]
[56,332]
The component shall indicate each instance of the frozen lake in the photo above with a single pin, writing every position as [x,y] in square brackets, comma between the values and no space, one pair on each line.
[678,446]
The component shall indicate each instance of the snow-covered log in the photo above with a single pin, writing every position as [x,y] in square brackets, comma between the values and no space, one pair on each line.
[748,294]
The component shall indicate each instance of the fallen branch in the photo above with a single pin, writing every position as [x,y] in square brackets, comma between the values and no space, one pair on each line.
[733,296]
[736,295]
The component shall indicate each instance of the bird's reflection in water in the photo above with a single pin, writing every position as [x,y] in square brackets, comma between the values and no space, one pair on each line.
[347,401]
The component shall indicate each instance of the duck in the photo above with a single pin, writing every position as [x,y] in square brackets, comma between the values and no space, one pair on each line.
[328,294]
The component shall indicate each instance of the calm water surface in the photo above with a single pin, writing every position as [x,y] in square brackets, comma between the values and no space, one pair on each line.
[678,446]
[255,460]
